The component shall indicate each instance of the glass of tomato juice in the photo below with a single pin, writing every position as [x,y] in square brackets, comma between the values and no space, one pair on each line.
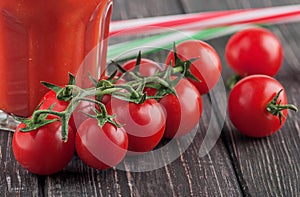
[44,41]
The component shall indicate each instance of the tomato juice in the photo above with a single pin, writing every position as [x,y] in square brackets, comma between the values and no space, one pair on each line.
[43,41]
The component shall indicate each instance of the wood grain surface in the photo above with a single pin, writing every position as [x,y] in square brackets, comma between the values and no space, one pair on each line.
[236,166]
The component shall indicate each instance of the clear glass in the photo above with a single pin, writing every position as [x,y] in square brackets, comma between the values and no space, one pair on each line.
[43,41]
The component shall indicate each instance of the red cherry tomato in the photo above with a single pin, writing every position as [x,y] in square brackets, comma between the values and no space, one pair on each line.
[144,123]
[182,112]
[42,151]
[50,99]
[207,68]
[247,105]
[254,51]
[147,67]
[101,147]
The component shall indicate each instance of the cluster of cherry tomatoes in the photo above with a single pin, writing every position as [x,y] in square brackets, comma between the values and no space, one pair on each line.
[130,111]
[125,113]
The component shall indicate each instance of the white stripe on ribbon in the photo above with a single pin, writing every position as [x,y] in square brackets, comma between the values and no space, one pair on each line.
[207,19]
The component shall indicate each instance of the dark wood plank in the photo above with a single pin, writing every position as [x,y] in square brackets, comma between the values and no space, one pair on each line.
[269,166]
[79,180]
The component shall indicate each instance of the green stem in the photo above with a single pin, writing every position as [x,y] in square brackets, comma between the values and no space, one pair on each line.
[101,105]
[36,114]
[275,108]
[100,93]
[178,69]
[65,127]
[230,83]
[130,89]
[64,117]
[146,80]
[133,75]
[74,94]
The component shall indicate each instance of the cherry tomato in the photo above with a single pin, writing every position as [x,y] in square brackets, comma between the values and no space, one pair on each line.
[42,151]
[182,111]
[50,99]
[254,51]
[144,123]
[101,147]
[207,67]
[147,67]
[247,105]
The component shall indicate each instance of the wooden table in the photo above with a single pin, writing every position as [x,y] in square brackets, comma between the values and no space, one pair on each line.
[236,166]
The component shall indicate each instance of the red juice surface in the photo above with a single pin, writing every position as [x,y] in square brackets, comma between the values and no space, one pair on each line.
[44,41]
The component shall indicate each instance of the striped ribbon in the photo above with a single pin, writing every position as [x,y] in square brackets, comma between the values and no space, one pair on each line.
[161,32]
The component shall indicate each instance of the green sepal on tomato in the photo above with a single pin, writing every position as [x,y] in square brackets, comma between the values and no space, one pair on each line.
[60,98]
[183,107]
[63,93]
[198,61]
[140,66]
[180,99]
[50,99]
[258,106]
[107,83]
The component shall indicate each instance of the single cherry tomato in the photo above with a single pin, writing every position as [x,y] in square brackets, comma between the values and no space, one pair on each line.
[249,106]
[254,51]
[144,123]
[183,111]
[49,100]
[206,67]
[42,151]
[101,147]
[147,67]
